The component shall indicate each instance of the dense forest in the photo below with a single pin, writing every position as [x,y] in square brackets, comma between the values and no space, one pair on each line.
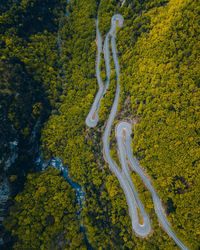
[30,77]
[161,77]
[43,215]
[47,87]
[30,84]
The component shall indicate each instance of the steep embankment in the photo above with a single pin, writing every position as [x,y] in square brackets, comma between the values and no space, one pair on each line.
[29,88]
[161,75]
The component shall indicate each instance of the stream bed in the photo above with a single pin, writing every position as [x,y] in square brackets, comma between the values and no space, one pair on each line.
[41,164]
[56,163]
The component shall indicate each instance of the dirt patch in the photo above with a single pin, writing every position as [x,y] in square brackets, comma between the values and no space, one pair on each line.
[93,116]
[140,218]
[124,135]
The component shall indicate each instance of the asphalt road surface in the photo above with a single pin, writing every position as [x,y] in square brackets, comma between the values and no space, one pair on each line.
[123,135]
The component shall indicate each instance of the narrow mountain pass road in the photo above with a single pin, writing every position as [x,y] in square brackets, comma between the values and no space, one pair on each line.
[123,135]
[127,186]
[93,117]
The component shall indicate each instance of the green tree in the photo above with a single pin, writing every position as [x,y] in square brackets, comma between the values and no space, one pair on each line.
[44,214]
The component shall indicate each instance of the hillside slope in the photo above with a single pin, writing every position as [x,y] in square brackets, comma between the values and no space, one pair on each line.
[161,75]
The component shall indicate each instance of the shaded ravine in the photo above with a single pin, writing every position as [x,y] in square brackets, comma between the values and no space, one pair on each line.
[125,150]
[41,164]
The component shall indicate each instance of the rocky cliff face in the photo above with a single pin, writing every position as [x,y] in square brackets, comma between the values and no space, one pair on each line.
[12,158]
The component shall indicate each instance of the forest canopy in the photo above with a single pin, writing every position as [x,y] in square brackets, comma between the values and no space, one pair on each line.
[43,215]
[52,69]
[161,75]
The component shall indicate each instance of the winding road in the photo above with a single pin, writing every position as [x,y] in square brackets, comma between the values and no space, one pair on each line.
[93,117]
[123,135]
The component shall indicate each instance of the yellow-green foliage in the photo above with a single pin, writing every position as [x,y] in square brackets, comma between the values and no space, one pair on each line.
[44,212]
[161,72]
[105,215]
[106,10]
[159,62]
[102,68]
[107,101]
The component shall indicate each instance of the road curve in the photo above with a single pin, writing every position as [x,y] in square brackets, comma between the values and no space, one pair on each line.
[123,132]
[93,117]
[129,190]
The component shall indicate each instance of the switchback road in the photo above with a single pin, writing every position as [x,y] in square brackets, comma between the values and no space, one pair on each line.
[123,135]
